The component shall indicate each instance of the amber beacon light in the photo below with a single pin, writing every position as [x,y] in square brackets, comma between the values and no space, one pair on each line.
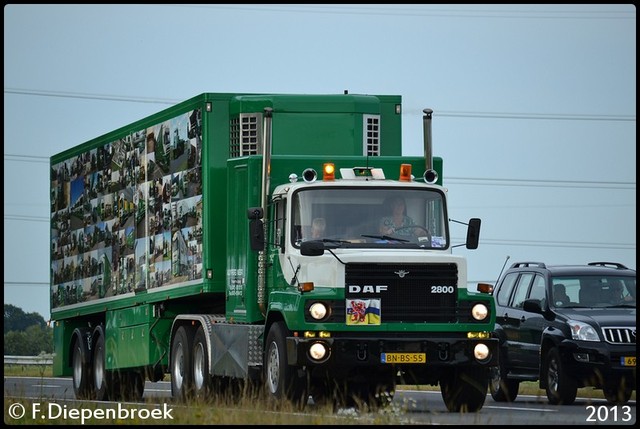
[328,171]
[405,173]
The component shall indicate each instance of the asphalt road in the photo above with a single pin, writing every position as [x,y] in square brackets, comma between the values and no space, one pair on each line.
[419,407]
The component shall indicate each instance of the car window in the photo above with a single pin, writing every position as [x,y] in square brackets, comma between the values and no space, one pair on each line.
[598,291]
[504,292]
[537,289]
[522,288]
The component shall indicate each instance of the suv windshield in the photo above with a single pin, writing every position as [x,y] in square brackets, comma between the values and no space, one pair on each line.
[370,217]
[593,291]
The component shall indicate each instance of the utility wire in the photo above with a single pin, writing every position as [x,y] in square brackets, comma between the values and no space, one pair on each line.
[450,113]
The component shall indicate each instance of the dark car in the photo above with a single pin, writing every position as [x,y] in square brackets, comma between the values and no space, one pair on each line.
[568,327]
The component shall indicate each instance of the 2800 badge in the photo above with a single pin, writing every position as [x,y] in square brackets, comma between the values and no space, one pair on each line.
[442,289]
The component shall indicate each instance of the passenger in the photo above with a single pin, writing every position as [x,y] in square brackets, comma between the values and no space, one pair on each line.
[560,296]
[318,227]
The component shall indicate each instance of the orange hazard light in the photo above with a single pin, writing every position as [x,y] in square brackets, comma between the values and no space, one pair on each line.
[405,173]
[328,171]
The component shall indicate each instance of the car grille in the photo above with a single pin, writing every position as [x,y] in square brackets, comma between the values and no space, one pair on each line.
[413,293]
[619,335]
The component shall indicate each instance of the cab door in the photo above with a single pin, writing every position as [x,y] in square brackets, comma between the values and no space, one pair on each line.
[512,317]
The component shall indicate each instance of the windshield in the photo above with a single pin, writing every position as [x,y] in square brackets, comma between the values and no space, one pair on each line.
[594,291]
[370,217]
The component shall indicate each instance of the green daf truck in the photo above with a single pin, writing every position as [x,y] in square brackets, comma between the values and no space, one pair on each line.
[249,238]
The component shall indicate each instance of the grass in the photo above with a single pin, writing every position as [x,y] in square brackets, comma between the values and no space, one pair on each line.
[241,409]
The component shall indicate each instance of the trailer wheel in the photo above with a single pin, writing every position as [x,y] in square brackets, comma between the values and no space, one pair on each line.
[100,377]
[202,381]
[81,372]
[283,381]
[464,389]
[181,363]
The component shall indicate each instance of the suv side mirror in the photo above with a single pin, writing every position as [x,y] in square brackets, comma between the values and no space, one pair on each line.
[533,305]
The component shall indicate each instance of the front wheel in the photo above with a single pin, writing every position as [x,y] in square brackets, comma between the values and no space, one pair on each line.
[464,390]
[501,388]
[561,388]
[282,381]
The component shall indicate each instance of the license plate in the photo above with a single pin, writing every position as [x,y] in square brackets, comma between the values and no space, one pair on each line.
[628,361]
[403,358]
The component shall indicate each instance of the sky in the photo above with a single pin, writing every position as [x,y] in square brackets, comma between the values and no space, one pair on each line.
[534,107]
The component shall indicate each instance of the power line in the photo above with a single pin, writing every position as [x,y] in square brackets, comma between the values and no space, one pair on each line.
[449,113]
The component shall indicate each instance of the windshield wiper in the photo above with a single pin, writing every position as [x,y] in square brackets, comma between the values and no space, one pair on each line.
[386,237]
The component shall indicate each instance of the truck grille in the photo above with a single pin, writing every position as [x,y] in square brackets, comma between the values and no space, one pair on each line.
[409,292]
[619,335]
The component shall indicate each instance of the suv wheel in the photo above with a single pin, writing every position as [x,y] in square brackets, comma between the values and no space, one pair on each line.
[561,388]
[502,389]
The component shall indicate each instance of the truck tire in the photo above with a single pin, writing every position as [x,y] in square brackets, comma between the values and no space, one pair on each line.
[202,381]
[81,372]
[181,363]
[100,376]
[501,388]
[464,389]
[281,380]
[561,388]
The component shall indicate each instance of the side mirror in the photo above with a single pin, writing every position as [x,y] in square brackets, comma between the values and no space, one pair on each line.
[473,233]
[256,234]
[312,248]
[255,213]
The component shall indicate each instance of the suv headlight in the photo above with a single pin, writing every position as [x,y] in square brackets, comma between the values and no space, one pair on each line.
[582,331]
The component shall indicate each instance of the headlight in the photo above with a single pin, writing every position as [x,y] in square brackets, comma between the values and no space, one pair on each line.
[582,331]
[318,352]
[481,352]
[318,310]
[479,311]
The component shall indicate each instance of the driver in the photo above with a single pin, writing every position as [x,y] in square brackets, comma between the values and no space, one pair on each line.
[397,222]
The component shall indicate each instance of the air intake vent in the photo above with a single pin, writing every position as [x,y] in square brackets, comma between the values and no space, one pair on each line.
[371,135]
[245,135]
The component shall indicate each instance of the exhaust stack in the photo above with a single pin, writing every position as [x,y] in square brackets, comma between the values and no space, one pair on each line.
[430,175]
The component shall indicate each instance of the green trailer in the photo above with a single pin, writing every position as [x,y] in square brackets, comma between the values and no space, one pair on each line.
[241,237]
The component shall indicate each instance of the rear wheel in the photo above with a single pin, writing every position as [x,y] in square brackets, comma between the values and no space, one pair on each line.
[561,388]
[202,381]
[81,372]
[181,363]
[100,376]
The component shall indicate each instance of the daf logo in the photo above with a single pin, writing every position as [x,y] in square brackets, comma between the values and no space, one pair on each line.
[401,273]
[367,288]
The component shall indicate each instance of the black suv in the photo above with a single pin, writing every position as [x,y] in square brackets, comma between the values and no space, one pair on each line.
[567,326]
